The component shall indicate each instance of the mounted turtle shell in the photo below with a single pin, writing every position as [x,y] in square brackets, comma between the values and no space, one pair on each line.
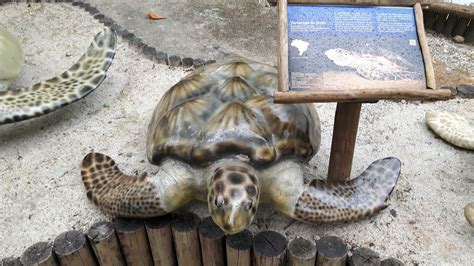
[226,109]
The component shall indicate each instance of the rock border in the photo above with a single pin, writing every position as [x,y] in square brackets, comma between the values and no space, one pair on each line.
[150,52]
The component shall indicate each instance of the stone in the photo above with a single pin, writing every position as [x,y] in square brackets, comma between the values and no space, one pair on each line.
[85,5]
[76,3]
[116,27]
[391,262]
[128,35]
[458,39]
[187,62]
[99,16]
[106,21]
[161,57]
[469,213]
[466,90]
[137,43]
[198,63]
[174,60]
[149,52]
[92,10]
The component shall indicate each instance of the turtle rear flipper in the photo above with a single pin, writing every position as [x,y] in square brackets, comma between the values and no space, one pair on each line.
[72,85]
[362,196]
[117,193]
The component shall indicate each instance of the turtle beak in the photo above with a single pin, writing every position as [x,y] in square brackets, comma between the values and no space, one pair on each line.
[235,220]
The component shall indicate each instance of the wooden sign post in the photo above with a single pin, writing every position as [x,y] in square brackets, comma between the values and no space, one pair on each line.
[351,52]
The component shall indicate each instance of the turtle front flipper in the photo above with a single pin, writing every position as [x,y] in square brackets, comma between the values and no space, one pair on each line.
[70,86]
[343,201]
[122,195]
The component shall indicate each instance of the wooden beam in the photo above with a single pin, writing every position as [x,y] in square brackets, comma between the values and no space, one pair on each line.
[212,243]
[361,2]
[301,252]
[420,27]
[283,82]
[104,243]
[238,248]
[269,248]
[361,95]
[346,123]
[133,240]
[331,251]
[453,9]
[40,254]
[186,239]
[72,248]
[160,238]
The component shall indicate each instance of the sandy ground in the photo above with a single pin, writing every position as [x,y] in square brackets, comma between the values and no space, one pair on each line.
[42,195]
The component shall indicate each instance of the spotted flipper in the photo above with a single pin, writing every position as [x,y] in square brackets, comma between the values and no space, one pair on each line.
[452,127]
[117,193]
[72,85]
[362,196]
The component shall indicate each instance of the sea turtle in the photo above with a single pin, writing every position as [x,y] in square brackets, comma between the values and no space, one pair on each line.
[374,64]
[452,127]
[218,137]
[52,94]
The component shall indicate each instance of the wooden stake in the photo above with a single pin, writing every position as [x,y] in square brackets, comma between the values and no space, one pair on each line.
[133,240]
[425,51]
[39,254]
[238,248]
[212,243]
[104,243]
[161,240]
[429,19]
[469,33]
[186,239]
[269,248]
[302,252]
[331,251]
[460,26]
[449,26]
[344,137]
[364,257]
[71,248]
[439,23]
[283,82]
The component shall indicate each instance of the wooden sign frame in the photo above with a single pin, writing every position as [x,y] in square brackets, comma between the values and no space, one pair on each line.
[284,95]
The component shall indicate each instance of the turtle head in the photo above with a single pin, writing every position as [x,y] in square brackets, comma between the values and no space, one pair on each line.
[233,196]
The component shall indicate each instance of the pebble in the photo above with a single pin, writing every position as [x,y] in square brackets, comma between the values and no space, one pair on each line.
[466,90]
[161,57]
[469,213]
[457,55]
[458,39]
[174,60]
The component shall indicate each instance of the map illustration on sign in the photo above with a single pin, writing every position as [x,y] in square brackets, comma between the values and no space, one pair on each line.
[353,47]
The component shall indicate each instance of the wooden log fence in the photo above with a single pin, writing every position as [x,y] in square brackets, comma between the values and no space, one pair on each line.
[183,239]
